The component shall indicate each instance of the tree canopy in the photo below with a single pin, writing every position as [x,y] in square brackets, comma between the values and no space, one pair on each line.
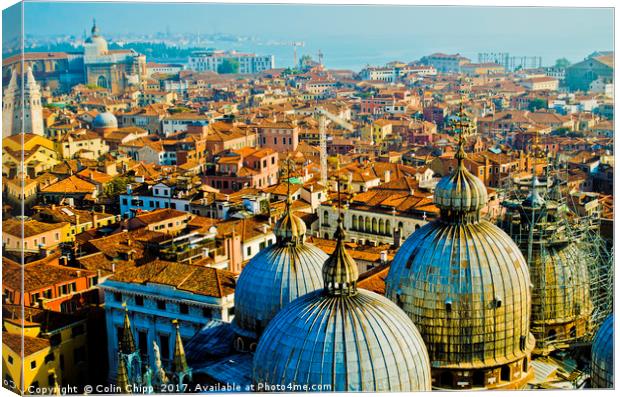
[562,63]
[228,66]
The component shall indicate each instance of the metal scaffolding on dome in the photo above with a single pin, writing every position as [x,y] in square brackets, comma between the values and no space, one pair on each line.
[559,245]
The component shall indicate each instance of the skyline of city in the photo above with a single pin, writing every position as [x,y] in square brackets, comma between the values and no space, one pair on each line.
[405,35]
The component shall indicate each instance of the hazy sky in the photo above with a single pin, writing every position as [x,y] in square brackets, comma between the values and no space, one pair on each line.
[571,32]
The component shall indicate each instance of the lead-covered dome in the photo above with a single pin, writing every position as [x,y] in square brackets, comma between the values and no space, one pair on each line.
[602,375]
[290,226]
[105,120]
[350,339]
[276,276]
[561,304]
[461,191]
[466,286]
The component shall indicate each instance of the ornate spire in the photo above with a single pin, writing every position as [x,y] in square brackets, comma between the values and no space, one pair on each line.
[460,127]
[179,362]
[127,343]
[534,199]
[290,229]
[122,378]
[340,272]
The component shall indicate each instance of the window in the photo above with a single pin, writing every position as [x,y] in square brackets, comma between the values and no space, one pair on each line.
[164,344]
[249,251]
[33,364]
[139,300]
[10,359]
[161,305]
[207,312]
[184,308]
[118,296]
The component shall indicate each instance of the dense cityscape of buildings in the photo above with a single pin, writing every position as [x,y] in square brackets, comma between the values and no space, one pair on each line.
[436,224]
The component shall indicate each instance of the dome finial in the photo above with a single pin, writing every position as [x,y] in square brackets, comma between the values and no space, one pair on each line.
[460,127]
[340,272]
[95,30]
[290,228]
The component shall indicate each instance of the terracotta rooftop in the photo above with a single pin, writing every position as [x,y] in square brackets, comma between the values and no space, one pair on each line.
[196,279]
[31,227]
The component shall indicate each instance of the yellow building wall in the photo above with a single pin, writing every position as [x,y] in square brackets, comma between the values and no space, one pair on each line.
[68,371]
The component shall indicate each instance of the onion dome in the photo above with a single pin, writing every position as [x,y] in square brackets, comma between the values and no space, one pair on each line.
[461,192]
[466,286]
[350,339]
[290,227]
[276,276]
[105,120]
[603,356]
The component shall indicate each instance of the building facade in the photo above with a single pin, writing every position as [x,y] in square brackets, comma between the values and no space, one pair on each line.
[212,60]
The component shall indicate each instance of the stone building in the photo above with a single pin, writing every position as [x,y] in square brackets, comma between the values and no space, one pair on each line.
[580,75]
[115,70]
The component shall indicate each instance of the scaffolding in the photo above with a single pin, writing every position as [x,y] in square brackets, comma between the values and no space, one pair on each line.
[557,243]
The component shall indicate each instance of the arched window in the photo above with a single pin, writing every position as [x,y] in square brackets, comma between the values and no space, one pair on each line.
[381,226]
[325,217]
[102,82]
[388,227]
[367,228]
[354,222]
[417,226]
[401,226]
[374,225]
[239,345]
[551,335]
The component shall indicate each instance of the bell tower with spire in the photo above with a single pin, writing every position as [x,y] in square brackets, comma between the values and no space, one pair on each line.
[22,113]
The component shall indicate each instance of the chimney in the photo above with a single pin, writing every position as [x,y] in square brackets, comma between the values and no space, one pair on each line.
[386,176]
[113,267]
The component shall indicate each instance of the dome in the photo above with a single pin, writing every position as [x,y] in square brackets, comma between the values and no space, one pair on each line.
[290,227]
[603,356]
[105,120]
[558,267]
[466,286]
[95,44]
[350,339]
[561,291]
[277,275]
[461,191]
